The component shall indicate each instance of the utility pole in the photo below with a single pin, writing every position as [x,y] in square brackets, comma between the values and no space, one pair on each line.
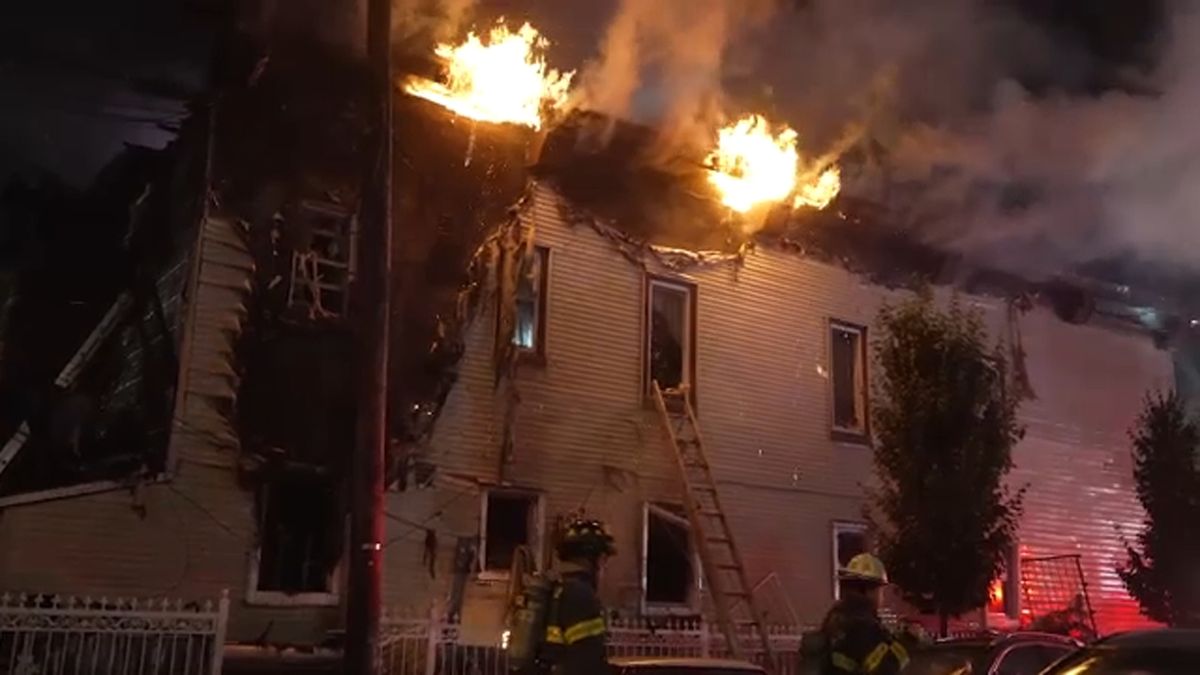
[372,315]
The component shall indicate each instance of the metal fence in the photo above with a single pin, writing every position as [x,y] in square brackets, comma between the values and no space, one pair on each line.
[423,646]
[70,635]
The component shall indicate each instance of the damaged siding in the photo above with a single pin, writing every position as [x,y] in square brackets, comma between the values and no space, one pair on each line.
[584,438]
[189,537]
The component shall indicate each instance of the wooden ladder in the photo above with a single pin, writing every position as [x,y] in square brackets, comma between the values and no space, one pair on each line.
[719,557]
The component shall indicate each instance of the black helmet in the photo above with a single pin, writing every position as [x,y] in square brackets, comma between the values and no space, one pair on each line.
[583,538]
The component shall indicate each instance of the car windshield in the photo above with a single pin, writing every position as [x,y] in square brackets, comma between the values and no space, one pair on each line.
[1100,661]
[948,660]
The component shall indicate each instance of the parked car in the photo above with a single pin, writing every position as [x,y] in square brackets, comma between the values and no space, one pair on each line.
[992,654]
[1154,652]
[680,666]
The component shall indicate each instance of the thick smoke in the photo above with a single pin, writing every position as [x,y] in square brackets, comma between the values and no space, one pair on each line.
[973,126]
[661,62]
[430,20]
[970,159]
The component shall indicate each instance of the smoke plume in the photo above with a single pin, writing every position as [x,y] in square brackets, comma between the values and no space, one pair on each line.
[661,61]
[430,20]
[987,134]
[983,130]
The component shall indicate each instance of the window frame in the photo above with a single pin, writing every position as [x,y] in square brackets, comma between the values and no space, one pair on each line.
[348,220]
[538,533]
[254,596]
[692,606]
[862,434]
[538,353]
[838,527]
[690,289]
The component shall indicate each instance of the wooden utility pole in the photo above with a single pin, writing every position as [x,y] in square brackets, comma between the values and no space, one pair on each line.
[372,315]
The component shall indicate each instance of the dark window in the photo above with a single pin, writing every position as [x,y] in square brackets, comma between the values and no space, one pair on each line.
[945,659]
[687,670]
[1056,652]
[1025,660]
[849,378]
[300,540]
[511,521]
[849,540]
[670,574]
[669,358]
[530,328]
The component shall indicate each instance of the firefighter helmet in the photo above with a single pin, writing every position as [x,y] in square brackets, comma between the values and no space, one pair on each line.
[584,538]
[864,567]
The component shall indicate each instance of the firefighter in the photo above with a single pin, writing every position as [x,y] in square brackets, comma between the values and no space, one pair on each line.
[856,640]
[575,627]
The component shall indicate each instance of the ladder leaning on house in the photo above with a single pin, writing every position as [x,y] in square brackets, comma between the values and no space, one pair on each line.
[719,556]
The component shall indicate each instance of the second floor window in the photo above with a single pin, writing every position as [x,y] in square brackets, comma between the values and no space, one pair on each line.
[529,331]
[848,366]
[323,261]
[670,321]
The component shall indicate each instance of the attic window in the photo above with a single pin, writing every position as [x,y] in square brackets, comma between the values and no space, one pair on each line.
[670,326]
[529,333]
[299,543]
[322,260]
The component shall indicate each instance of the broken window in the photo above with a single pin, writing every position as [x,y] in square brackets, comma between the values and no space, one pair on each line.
[669,572]
[322,260]
[670,322]
[529,333]
[510,520]
[849,540]
[299,540]
[848,358]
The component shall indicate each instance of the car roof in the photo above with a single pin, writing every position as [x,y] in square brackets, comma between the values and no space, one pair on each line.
[988,640]
[1163,638]
[678,662]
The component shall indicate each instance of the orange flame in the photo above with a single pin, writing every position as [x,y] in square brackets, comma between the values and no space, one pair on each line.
[817,194]
[751,166]
[503,79]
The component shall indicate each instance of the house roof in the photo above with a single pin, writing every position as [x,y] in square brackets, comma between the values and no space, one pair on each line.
[617,172]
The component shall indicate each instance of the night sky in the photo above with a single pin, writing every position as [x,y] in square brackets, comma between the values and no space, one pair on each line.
[80,77]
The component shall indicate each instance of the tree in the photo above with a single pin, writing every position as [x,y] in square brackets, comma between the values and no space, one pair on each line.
[944,431]
[1161,572]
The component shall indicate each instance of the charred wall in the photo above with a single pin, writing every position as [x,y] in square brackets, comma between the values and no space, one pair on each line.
[288,166]
[68,257]
[455,183]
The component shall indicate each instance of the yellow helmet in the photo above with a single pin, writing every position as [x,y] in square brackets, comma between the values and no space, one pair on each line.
[864,567]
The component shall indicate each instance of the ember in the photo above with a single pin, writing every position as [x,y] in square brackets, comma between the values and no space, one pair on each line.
[752,166]
[502,80]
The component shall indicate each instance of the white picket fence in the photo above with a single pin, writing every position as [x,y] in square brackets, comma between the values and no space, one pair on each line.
[423,646]
[70,635]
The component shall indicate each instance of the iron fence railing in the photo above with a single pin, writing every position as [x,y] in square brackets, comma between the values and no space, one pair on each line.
[71,635]
[425,646]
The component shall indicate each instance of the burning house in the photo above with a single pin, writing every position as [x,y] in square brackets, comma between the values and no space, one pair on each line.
[772,338]
[545,275]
